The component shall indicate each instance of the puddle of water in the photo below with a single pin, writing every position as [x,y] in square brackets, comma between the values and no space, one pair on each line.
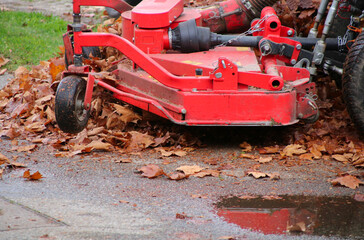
[323,216]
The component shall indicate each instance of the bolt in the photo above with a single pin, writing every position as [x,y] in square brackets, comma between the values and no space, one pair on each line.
[317,61]
[223,63]
[312,105]
[289,32]
[293,61]
[298,47]
[300,115]
[183,111]
[218,75]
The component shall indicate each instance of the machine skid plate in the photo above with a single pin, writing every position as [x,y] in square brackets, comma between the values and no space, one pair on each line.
[243,107]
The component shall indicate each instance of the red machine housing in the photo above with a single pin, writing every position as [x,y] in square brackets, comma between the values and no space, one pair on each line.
[222,86]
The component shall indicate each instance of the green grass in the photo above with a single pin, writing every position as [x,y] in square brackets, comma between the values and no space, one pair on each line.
[27,38]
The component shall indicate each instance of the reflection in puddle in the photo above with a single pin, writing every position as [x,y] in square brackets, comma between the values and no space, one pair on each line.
[324,216]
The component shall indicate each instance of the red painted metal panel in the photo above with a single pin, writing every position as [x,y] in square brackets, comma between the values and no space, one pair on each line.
[243,57]
[128,26]
[151,40]
[245,107]
[156,13]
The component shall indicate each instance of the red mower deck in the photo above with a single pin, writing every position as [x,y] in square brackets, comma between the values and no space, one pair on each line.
[178,77]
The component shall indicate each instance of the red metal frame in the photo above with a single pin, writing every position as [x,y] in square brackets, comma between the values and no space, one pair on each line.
[231,91]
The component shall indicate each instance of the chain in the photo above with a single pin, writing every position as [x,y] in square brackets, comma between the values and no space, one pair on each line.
[251,30]
[342,41]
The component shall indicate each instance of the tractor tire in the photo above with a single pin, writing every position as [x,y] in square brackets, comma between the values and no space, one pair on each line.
[71,116]
[353,83]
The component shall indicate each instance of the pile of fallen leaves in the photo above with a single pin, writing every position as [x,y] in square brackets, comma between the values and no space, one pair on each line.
[298,14]
[27,111]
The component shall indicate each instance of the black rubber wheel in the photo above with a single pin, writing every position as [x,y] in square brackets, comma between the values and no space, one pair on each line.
[353,83]
[70,114]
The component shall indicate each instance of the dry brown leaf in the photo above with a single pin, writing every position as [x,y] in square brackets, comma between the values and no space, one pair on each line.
[43,100]
[343,158]
[247,155]
[99,145]
[264,159]
[245,147]
[269,150]
[306,156]
[316,150]
[1,173]
[168,153]
[3,61]
[247,197]
[347,181]
[56,67]
[3,159]
[271,197]
[177,176]
[127,115]
[293,149]
[207,172]
[24,148]
[256,174]
[139,141]
[34,176]
[189,170]
[95,131]
[36,127]
[10,133]
[227,238]
[3,71]
[359,162]
[298,227]
[151,171]
[17,164]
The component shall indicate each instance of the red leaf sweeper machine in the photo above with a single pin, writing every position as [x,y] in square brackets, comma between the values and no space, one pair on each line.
[188,74]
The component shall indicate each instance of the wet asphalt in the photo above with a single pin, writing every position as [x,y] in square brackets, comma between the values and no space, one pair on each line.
[92,197]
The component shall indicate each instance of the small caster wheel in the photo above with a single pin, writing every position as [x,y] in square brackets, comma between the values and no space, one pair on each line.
[71,116]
